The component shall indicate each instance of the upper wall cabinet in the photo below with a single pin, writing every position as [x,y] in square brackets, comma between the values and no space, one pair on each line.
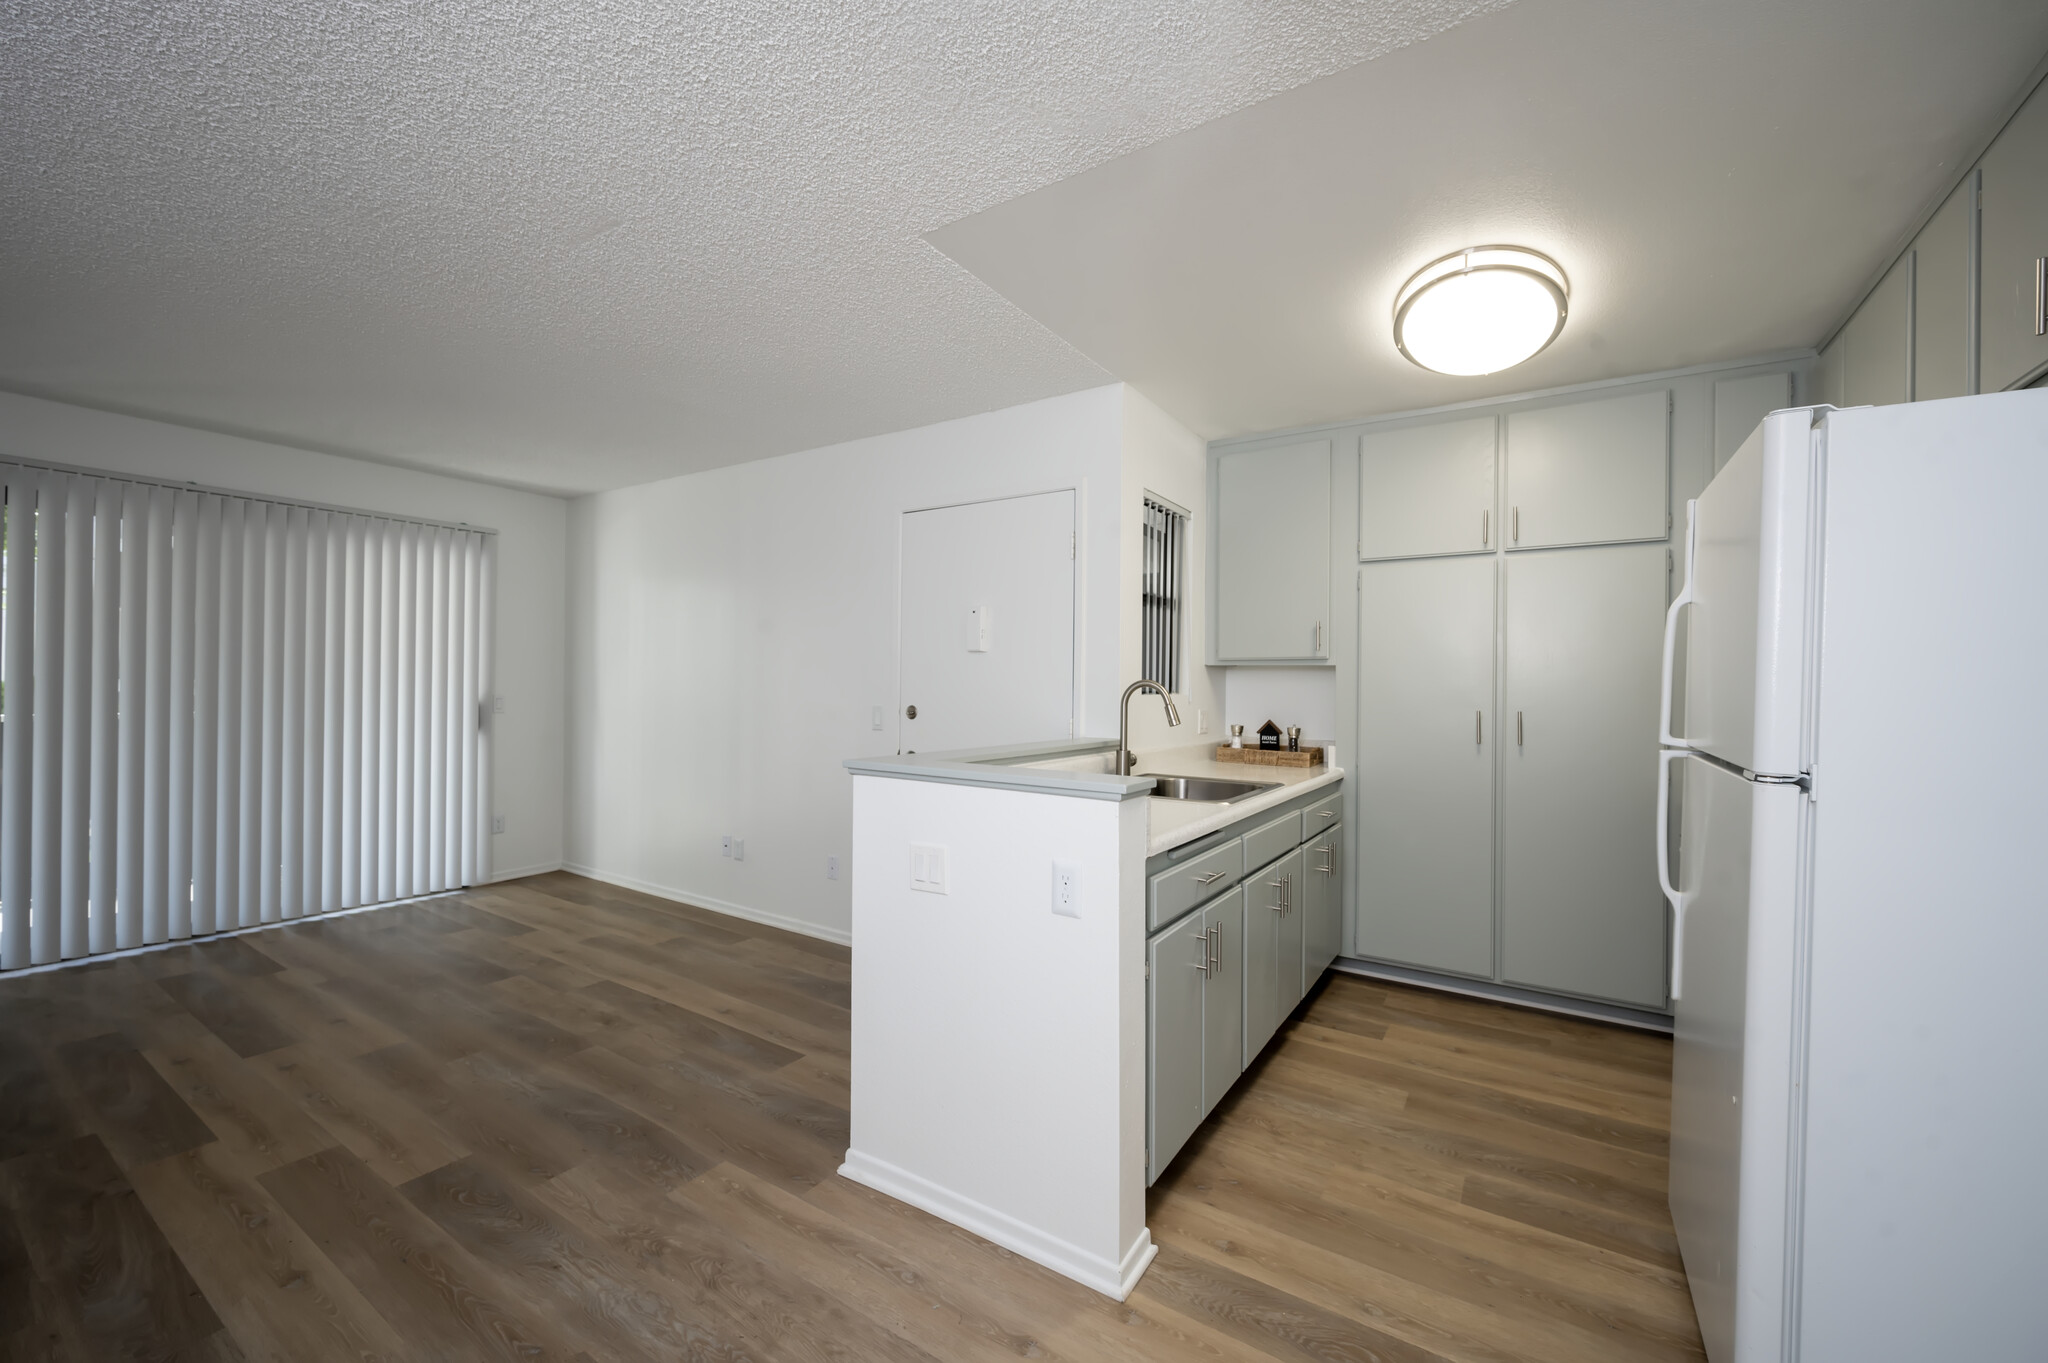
[1877,344]
[1941,299]
[1427,490]
[1273,554]
[2015,245]
[1589,473]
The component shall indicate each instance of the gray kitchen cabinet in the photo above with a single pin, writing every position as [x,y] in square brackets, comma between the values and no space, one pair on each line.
[1272,571]
[1272,949]
[1178,964]
[1194,1027]
[2015,242]
[1427,489]
[1194,878]
[1589,472]
[1426,739]
[1322,903]
[1223,1055]
[1580,909]
[1942,292]
[1877,343]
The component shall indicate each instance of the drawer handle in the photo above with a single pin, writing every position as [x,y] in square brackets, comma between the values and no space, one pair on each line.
[1326,814]
[1211,878]
[1213,936]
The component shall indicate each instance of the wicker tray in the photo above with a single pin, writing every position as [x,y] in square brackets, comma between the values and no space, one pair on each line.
[1269,757]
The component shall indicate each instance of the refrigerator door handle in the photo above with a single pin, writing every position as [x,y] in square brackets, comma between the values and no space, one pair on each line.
[1682,600]
[1671,892]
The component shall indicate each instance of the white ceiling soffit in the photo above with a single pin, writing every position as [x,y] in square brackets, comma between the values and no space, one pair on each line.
[578,247]
[1720,179]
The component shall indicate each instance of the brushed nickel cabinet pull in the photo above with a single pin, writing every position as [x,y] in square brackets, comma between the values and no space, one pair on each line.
[1211,878]
[1516,528]
[2041,295]
[1476,722]
[1518,728]
[1485,528]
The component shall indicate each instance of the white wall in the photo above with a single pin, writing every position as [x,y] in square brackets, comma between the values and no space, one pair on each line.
[730,632]
[1166,459]
[1008,1097]
[528,757]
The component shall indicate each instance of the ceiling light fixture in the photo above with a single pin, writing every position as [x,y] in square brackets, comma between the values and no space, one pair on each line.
[1480,310]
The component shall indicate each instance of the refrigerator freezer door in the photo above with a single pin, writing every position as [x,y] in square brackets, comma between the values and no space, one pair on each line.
[1927,1082]
[1731,1060]
[1755,542]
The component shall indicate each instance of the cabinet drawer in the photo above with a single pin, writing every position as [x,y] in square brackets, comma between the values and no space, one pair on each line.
[1180,888]
[1321,818]
[1268,841]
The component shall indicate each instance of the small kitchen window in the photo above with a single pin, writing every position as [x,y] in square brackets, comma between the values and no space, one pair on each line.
[1165,561]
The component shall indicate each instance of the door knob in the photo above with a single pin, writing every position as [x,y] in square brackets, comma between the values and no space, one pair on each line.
[910,712]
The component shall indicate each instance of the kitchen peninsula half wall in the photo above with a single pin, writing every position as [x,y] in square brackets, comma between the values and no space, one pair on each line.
[1000,994]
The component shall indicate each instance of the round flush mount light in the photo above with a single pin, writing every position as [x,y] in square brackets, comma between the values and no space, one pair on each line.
[1480,310]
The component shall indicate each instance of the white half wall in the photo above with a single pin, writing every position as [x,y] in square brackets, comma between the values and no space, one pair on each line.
[733,631]
[528,753]
[998,1047]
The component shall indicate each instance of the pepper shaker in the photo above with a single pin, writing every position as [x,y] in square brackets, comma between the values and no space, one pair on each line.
[1294,738]
[1237,735]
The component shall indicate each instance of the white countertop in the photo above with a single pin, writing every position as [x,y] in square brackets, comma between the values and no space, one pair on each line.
[1173,823]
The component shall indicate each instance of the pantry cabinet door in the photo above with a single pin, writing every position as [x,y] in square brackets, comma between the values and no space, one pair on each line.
[1177,961]
[1223,1003]
[1589,472]
[1426,736]
[1427,489]
[1273,554]
[1580,910]
[2015,238]
[1322,925]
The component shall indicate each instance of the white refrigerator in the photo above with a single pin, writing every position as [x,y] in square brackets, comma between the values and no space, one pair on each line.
[1859,1111]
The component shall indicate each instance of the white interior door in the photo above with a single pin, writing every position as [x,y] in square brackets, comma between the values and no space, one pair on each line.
[987,620]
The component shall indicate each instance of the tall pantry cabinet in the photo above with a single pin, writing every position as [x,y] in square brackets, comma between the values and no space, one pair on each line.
[1511,597]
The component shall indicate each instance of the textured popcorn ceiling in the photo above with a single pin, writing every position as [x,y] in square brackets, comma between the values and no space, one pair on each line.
[578,246]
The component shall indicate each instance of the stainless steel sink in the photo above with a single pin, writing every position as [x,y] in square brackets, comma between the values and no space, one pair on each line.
[1205,789]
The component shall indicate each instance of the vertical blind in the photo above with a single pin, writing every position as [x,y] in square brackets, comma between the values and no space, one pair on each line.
[1164,530]
[222,711]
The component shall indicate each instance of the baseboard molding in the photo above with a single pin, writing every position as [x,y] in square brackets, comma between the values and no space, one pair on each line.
[201,938]
[766,917]
[1641,1019]
[539,868]
[1112,1279]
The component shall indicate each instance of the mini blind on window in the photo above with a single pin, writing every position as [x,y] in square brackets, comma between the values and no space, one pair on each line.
[221,711]
[1164,530]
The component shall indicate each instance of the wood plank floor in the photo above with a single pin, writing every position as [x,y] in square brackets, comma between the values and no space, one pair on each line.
[555,1119]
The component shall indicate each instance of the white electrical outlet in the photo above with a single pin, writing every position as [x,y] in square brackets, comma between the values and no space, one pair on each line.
[497,705]
[1201,721]
[1066,890]
[739,849]
[928,867]
[725,845]
[831,868]
[497,823]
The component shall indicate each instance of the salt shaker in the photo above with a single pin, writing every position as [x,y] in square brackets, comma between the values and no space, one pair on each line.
[1237,735]
[1294,738]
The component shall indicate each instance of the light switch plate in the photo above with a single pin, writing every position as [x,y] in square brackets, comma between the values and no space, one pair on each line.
[739,849]
[1066,890]
[977,629]
[928,867]
[831,868]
